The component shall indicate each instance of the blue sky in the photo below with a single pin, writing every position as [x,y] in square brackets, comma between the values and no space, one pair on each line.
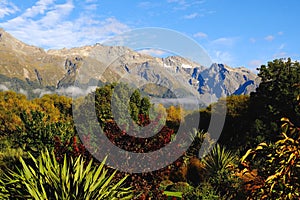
[237,33]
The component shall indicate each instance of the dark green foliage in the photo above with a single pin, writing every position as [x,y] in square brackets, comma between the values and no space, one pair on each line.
[39,132]
[122,101]
[103,97]
[250,121]
[9,156]
[179,187]
[145,105]
[202,192]
[216,171]
[227,184]
[218,159]
[220,168]
[235,133]
[275,97]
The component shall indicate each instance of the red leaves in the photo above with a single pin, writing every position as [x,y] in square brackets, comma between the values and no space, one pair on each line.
[74,150]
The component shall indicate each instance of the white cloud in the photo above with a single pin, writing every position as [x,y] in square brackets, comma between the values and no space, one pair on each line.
[152,52]
[47,25]
[224,41]
[280,55]
[75,91]
[282,46]
[269,38]
[22,91]
[91,7]
[42,92]
[7,8]
[252,40]
[280,33]
[221,50]
[69,91]
[183,4]
[39,8]
[224,57]
[91,1]
[200,35]
[191,16]
[52,17]
[211,12]
[145,4]
[3,87]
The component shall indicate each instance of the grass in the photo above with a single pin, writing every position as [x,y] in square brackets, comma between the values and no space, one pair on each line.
[173,194]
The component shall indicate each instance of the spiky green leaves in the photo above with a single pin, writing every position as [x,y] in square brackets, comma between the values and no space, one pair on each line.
[45,178]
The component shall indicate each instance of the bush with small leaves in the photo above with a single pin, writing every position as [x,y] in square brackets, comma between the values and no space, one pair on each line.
[202,192]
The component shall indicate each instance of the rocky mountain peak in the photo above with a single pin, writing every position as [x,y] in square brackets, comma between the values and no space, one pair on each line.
[56,70]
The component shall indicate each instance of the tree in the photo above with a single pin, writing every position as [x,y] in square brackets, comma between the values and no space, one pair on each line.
[275,97]
[235,134]
[278,164]
[123,100]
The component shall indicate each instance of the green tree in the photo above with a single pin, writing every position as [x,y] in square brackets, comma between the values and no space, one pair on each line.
[236,132]
[275,97]
[120,97]
[39,131]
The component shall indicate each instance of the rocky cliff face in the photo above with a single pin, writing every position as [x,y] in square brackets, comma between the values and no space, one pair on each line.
[33,69]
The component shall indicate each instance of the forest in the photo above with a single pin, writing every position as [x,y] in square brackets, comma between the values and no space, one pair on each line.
[43,156]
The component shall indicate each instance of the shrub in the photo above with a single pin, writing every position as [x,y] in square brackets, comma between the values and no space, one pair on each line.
[45,178]
[279,165]
[220,168]
[9,157]
[202,192]
[39,132]
[195,171]
[218,159]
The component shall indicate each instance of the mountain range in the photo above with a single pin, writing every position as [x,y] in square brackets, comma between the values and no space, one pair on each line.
[34,71]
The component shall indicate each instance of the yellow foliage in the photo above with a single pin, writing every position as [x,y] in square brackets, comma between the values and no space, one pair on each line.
[175,114]
[13,104]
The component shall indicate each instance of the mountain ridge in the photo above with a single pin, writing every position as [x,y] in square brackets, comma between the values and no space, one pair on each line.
[56,70]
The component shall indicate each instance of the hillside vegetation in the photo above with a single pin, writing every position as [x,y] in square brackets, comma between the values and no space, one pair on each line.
[256,157]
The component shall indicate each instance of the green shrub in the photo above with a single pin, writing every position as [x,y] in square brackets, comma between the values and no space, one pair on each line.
[218,159]
[39,132]
[202,192]
[45,179]
[9,157]
[220,168]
